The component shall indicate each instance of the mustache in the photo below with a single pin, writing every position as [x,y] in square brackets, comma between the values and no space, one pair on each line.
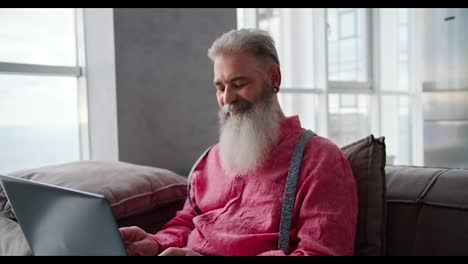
[240,105]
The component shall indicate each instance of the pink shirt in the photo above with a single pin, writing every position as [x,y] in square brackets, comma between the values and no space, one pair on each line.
[240,216]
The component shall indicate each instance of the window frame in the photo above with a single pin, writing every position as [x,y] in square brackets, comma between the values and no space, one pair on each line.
[356,86]
[76,71]
[324,87]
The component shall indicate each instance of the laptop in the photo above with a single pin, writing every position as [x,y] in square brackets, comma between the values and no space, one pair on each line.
[62,221]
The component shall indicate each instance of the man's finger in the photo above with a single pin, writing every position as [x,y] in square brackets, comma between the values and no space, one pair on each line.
[130,233]
[131,250]
[173,251]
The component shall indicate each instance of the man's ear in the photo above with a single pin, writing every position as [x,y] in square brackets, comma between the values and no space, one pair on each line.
[275,75]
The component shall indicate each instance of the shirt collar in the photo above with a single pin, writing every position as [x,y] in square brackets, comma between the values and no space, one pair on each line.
[289,126]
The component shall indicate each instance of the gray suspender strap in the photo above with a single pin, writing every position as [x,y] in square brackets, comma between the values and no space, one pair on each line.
[290,191]
[190,177]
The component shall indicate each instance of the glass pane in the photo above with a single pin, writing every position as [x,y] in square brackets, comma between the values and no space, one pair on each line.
[347,24]
[292,30]
[347,52]
[394,46]
[268,19]
[304,105]
[347,101]
[38,36]
[347,47]
[38,121]
[332,25]
[445,105]
[403,12]
[348,122]
[396,129]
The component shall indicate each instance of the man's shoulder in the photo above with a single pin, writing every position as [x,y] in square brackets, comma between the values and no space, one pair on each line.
[210,153]
[213,148]
[324,156]
[324,148]
[318,142]
[209,149]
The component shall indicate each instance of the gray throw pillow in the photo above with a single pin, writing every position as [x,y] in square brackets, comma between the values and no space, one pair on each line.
[367,158]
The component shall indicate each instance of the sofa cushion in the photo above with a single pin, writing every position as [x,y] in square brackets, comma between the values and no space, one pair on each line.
[427,211]
[12,240]
[367,159]
[133,191]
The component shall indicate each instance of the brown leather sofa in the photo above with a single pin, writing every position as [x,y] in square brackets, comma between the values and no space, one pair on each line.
[427,211]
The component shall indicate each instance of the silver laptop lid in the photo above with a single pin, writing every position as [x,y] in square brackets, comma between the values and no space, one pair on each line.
[61,221]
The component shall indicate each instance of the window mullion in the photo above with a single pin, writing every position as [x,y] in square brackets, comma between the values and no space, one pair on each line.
[321,68]
[36,69]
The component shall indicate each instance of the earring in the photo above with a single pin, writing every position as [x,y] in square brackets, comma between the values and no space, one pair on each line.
[275,89]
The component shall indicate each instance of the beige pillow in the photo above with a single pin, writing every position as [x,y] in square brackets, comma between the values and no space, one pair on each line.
[367,159]
[131,190]
[12,240]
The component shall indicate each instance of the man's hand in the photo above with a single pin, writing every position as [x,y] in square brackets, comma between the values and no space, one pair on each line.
[138,242]
[174,251]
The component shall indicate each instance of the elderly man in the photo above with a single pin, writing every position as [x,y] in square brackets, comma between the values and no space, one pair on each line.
[235,205]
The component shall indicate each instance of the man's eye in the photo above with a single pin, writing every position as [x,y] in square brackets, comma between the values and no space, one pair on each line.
[220,88]
[238,85]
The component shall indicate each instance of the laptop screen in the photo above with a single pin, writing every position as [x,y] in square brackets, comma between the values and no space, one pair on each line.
[61,221]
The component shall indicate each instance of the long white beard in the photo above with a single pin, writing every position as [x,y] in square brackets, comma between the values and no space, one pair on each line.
[246,139]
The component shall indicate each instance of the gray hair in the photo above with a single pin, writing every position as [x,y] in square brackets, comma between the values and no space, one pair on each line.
[256,41]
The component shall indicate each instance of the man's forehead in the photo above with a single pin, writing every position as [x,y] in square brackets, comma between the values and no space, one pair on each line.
[227,74]
[233,78]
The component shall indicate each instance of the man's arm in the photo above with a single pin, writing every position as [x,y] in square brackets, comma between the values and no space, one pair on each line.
[327,218]
[175,233]
[177,230]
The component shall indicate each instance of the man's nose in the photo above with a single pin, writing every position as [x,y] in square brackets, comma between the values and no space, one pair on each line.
[229,96]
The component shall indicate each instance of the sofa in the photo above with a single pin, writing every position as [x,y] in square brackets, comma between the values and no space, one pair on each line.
[403,210]
[427,211]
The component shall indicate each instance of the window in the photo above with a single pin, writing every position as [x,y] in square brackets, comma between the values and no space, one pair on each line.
[345,72]
[394,91]
[294,37]
[40,93]
[348,57]
[348,117]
